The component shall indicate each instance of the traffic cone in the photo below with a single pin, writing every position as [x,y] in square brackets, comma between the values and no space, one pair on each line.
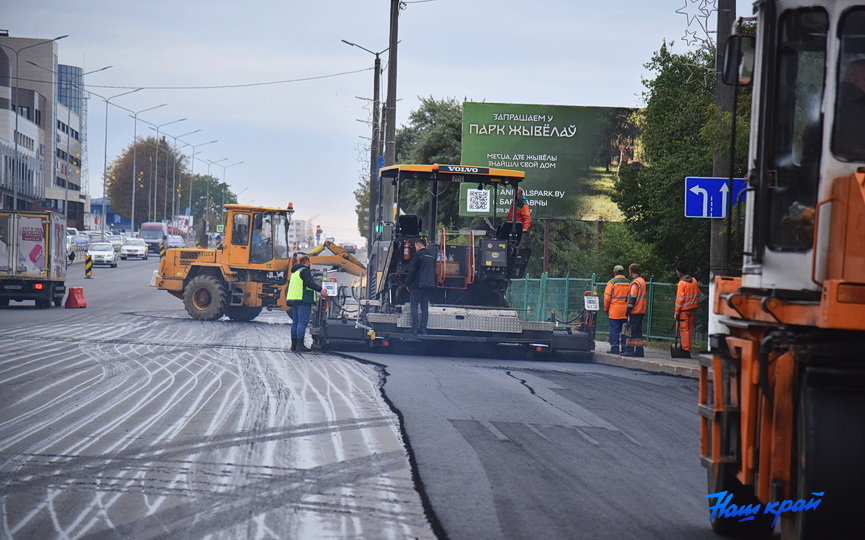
[88,266]
[76,298]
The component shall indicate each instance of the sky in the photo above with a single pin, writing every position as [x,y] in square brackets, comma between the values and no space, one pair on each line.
[306,140]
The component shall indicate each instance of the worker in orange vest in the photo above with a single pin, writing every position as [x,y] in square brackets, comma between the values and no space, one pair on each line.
[687,295]
[523,213]
[636,312]
[616,306]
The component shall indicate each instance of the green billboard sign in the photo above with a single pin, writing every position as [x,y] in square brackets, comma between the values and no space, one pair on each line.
[565,151]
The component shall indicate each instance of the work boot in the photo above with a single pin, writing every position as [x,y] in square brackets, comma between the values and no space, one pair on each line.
[639,353]
[302,348]
[293,344]
[614,350]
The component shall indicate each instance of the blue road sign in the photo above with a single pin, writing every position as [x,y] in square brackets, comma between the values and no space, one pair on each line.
[709,197]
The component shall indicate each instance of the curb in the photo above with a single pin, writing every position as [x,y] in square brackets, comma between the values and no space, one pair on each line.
[655,363]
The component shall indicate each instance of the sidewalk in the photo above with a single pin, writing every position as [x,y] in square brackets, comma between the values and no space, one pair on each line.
[656,361]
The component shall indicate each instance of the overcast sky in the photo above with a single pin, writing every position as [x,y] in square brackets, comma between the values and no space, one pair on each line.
[306,141]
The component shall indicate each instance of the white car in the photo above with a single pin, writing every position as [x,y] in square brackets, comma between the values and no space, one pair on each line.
[133,247]
[102,253]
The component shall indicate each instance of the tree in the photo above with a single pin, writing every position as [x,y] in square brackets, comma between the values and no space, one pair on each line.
[152,185]
[208,193]
[678,107]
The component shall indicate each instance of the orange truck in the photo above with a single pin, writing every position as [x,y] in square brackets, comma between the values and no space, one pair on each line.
[782,396]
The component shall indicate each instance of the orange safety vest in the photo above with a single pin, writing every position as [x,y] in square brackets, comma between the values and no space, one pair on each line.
[687,294]
[524,216]
[616,297]
[637,296]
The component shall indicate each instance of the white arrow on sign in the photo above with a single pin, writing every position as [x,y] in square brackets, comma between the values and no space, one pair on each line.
[697,190]
[725,189]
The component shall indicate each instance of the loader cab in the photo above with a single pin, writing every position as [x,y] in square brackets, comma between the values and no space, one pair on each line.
[258,236]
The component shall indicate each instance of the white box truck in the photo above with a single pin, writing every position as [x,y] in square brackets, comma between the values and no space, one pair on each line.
[32,257]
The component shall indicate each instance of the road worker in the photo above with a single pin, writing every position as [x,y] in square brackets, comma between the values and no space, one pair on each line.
[616,306]
[635,312]
[687,296]
[301,295]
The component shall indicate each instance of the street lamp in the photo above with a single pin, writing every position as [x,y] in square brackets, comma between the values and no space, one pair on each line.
[105,156]
[225,186]
[375,150]
[17,169]
[207,195]
[134,115]
[192,171]
[80,85]
[156,167]
[174,177]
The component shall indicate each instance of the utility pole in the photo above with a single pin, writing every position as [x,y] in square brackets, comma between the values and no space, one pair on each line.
[387,194]
[722,167]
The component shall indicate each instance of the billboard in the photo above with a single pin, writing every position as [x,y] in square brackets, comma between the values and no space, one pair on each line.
[565,151]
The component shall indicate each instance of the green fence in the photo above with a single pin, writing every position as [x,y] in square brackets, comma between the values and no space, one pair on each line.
[536,299]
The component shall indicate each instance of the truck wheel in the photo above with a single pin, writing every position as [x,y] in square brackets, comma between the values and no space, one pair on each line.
[4,302]
[722,479]
[830,409]
[205,298]
[242,313]
[43,303]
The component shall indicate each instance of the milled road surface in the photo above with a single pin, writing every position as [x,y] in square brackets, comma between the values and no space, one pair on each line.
[129,419]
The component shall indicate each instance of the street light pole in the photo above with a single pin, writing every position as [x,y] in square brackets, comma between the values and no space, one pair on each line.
[225,187]
[134,116]
[156,167]
[80,85]
[387,192]
[192,171]
[174,177]
[17,169]
[105,156]
[207,196]
[375,150]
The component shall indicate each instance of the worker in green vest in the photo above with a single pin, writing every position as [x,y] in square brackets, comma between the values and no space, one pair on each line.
[301,296]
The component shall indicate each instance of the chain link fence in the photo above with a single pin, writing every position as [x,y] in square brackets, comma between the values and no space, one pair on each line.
[535,299]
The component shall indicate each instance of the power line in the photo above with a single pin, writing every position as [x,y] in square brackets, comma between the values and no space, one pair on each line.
[245,85]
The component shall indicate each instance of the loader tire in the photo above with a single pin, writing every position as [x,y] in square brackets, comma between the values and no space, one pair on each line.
[205,298]
[242,313]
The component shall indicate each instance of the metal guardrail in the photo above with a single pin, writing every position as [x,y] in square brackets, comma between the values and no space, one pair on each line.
[536,298]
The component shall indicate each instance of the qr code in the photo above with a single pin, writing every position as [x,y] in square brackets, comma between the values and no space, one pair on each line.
[479,200]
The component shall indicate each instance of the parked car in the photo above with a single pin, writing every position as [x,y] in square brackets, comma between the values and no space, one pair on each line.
[116,241]
[102,253]
[349,247]
[174,241]
[82,240]
[133,247]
